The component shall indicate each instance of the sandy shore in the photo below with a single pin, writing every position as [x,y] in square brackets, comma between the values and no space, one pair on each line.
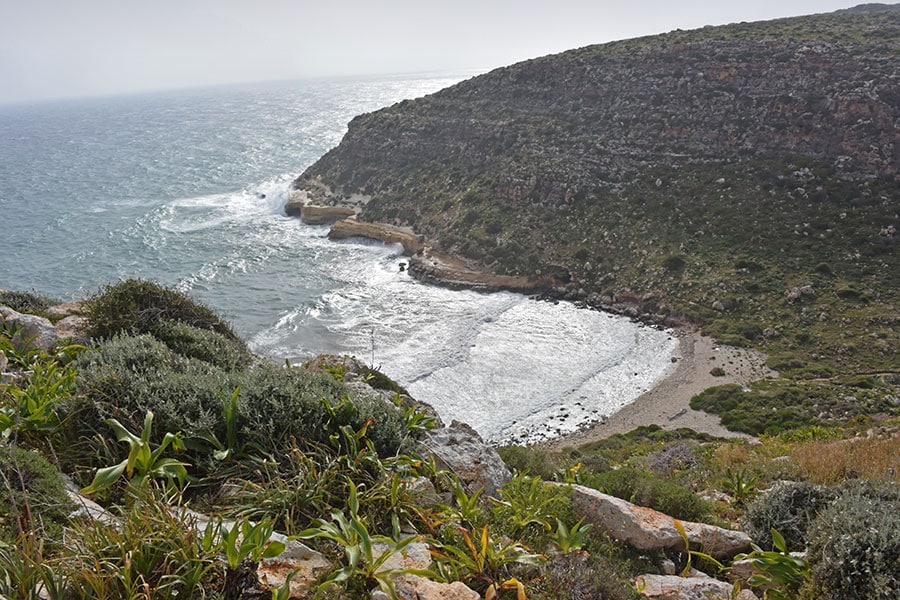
[668,404]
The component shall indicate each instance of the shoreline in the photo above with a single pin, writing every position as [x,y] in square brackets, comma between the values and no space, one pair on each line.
[666,405]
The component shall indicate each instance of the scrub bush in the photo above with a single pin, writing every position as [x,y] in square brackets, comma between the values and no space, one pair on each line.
[26,302]
[790,508]
[203,344]
[140,306]
[854,546]
[645,489]
[32,495]
[129,375]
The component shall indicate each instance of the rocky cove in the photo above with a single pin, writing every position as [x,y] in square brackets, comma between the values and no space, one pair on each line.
[666,405]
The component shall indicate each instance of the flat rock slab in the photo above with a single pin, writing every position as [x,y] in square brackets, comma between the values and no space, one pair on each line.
[672,587]
[647,529]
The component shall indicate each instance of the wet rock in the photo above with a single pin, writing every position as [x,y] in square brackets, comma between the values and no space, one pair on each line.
[295,204]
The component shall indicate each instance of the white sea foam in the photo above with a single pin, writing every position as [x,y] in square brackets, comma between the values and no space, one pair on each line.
[516,369]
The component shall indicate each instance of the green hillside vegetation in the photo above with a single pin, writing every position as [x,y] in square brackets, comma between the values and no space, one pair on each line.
[742,178]
[201,423]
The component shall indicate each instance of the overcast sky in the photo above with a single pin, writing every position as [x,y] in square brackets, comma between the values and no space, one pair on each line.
[64,48]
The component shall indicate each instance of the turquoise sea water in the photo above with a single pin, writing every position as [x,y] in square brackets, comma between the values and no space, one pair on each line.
[187,188]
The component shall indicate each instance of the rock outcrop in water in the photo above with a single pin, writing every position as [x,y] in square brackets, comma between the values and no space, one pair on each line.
[700,173]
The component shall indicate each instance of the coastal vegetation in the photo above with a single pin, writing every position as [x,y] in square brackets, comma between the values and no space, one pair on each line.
[740,179]
[201,455]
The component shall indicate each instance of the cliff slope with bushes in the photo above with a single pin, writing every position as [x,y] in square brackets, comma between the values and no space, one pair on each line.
[742,177]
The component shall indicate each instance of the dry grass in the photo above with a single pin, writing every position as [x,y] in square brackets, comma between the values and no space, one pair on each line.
[833,462]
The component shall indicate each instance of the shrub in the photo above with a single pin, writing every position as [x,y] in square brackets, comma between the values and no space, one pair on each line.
[523,459]
[790,508]
[26,302]
[203,344]
[648,490]
[129,375]
[33,497]
[139,306]
[278,404]
[580,575]
[673,457]
[674,263]
[854,545]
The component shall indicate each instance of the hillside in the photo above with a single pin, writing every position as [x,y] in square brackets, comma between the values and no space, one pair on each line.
[743,178]
[146,453]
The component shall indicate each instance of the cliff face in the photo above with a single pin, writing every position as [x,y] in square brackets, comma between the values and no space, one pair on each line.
[657,168]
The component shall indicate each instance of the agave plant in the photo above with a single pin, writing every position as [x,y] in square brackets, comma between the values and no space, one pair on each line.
[365,554]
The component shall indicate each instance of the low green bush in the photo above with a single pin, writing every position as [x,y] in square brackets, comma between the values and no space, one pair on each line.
[210,347]
[32,496]
[523,459]
[790,508]
[128,375]
[140,306]
[26,302]
[854,545]
[646,489]
[581,575]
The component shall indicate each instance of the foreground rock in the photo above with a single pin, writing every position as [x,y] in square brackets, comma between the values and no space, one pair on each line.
[672,587]
[413,587]
[647,529]
[461,450]
[31,330]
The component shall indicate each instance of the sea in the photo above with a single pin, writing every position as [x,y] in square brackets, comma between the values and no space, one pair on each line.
[187,188]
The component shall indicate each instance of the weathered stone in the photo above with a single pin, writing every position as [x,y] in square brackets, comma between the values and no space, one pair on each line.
[672,587]
[87,508]
[414,556]
[460,449]
[3,361]
[297,558]
[295,204]
[324,215]
[412,587]
[65,310]
[35,331]
[389,234]
[648,529]
[73,326]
